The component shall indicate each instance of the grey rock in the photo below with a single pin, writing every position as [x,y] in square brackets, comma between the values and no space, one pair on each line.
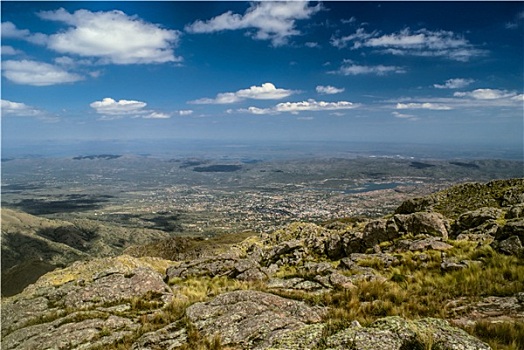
[296,283]
[67,333]
[510,246]
[433,224]
[448,266]
[221,265]
[305,338]
[395,333]
[512,196]
[515,212]
[378,231]
[446,337]
[341,281]
[114,287]
[169,338]
[414,205]
[84,306]
[433,243]
[250,319]
[511,228]
[478,217]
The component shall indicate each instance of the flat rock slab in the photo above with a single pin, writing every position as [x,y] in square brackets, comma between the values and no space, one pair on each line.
[251,319]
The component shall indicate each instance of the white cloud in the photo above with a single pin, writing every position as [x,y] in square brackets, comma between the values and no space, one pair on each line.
[348,68]
[157,115]
[37,73]
[10,31]
[296,107]
[185,112]
[486,94]
[19,109]
[109,106]
[266,91]
[9,50]
[311,44]
[359,36]
[425,105]
[457,83]
[517,22]
[273,21]
[312,105]
[259,111]
[329,90]
[111,109]
[422,42]
[132,41]
[405,116]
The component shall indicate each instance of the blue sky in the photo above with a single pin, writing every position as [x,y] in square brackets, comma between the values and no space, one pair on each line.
[413,72]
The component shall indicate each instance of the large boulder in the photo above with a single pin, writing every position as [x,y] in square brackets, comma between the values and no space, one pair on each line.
[228,264]
[476,218]
[87,305]
[433,224]
[250,319]
[395,333]
[420,223]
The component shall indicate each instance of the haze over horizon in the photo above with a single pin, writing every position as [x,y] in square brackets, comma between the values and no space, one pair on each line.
[441,73]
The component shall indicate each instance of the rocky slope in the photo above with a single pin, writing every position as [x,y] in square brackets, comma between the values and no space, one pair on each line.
[436,274]
[32,245]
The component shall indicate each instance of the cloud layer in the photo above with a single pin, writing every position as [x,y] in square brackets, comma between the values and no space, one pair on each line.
[349,68]
[422,42]
[273,21]
[487,94]
[425,105]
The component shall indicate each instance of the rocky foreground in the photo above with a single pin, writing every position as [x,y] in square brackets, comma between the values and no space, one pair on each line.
[440,272]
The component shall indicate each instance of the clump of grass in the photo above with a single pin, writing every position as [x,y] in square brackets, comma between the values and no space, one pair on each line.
[500,335]
[374,263]
[199,289]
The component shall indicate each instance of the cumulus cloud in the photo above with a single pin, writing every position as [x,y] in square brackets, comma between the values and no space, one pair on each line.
[10,31]
[303,106]
[486,94]
[349,68]
[329,90]
[109,106]
[18,109]
[266,91]
[273,21]
[111,109]
[425,105]
[132,40]
[9,51]
[35,73]
[422,42]
[457,83]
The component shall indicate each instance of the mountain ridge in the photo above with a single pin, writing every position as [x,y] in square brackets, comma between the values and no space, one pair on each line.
[439,272]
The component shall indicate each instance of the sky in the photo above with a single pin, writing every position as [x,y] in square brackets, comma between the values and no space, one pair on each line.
[404,72]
